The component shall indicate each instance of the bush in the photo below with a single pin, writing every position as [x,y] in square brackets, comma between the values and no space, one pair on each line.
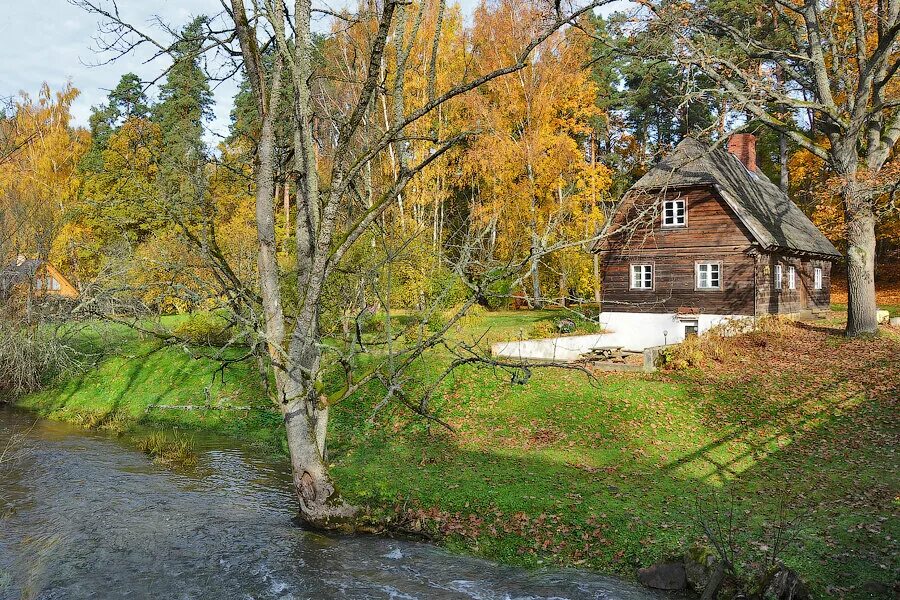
[498,293]
[436,321]
[30,356]
[686,355]
[205,329]
[569,325]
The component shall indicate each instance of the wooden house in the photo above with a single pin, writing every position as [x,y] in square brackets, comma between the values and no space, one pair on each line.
[36,276]
[705,237]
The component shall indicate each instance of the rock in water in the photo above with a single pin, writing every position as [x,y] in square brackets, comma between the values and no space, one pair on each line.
[786,585]
[663,576]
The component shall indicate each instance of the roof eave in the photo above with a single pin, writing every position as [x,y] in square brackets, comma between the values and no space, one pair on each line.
[805,253]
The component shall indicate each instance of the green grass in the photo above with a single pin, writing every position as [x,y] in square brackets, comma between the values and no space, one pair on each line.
[169,449]
[894,309]
[605,474]
[139,379]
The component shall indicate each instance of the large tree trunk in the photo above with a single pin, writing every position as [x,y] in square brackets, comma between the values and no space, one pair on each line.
[306,422]
[859,215]
[861,307]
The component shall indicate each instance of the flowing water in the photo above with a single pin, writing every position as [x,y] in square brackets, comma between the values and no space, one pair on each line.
[84,515]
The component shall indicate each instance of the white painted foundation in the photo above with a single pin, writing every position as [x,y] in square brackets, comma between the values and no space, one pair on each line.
[629,331]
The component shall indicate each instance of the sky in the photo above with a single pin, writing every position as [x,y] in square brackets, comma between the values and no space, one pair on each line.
[53,41]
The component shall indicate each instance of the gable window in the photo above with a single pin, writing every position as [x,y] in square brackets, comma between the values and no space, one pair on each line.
[817,278]
[792,278]
[642,277]
[709,276]
[674,213]
[778,275]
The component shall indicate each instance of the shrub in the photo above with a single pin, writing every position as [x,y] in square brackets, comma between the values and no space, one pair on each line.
[30,356]
[435,321]
[569,325]
[498,293]
[685,355]
[205,329]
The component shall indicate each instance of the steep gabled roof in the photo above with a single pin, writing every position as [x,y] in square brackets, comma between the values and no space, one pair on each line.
[775,222]
[18,271]
[24,269]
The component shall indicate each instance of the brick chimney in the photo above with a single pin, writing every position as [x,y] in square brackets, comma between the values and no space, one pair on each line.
[743,146]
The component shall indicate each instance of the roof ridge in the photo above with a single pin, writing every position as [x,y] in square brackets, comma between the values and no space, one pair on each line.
[768,212]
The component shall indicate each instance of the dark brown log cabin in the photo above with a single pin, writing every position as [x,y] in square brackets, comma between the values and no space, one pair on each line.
[705,232]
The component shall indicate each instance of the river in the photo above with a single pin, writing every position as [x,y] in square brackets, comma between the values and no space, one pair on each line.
[85,515]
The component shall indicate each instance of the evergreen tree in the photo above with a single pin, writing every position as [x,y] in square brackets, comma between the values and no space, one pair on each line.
[185,105]
[125,101]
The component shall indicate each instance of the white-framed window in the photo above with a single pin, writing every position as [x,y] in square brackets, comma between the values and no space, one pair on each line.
[817,278]
[709,275]
[642,277]
[674,213]
[691,328]
[792,278]
[778,275]
[50,283]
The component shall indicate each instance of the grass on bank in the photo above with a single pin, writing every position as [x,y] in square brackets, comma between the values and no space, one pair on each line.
[605,474]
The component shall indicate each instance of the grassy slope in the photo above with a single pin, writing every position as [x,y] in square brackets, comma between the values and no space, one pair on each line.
[136,374]
[603,474]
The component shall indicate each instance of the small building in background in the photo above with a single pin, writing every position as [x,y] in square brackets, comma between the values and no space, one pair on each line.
[36,276]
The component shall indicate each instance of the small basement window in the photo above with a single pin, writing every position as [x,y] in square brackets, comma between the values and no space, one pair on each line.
[709,276]
[642,277]
[792,278]
[691,328]
[817,278]
[778,274]
[674,213]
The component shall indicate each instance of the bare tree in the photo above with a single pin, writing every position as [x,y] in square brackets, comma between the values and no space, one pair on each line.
[334,145]
[836,62]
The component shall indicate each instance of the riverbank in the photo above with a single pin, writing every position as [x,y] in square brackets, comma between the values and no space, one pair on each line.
[609,474]
[83,515]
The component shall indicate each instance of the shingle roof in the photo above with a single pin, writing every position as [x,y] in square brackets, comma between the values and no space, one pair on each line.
[16,272]
[772,218]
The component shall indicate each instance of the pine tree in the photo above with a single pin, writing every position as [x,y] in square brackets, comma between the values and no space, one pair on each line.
[125,101]
[185,105]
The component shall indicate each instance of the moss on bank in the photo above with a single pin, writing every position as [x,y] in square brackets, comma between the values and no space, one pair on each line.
[604,475]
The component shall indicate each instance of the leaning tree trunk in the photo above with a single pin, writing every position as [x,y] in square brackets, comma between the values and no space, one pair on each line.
[306,421]
[860,218]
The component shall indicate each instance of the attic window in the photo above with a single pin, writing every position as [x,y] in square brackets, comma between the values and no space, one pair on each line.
[674,213]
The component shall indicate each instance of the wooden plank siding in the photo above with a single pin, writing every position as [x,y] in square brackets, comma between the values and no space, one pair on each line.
[804,296]
[712,233]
